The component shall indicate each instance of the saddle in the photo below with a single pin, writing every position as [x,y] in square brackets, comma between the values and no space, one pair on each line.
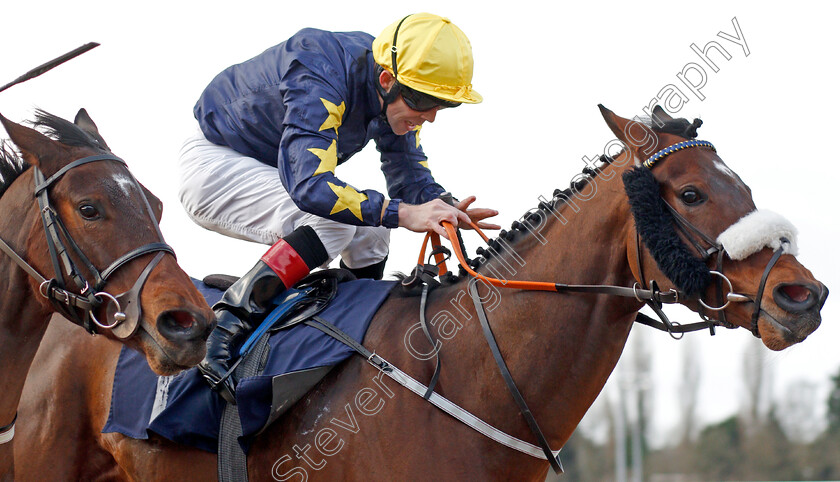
[289,358]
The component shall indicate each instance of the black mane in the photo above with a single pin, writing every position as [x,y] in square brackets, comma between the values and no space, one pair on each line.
[11,165]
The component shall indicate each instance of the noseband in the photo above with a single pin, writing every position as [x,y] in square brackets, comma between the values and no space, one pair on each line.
[715,249]
[127,311]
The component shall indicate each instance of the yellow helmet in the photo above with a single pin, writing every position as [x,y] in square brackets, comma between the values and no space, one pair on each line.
[432,56]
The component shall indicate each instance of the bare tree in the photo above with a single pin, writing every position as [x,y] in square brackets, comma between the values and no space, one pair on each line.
[689,391]
[758,379]
[798,411]
[641,396]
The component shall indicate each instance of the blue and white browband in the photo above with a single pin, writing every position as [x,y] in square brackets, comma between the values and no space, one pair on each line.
[674,148]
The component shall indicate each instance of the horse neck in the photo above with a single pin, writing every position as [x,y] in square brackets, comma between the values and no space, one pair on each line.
[23,320]
[560,348]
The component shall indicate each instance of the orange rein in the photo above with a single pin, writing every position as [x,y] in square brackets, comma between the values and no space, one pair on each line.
[451,230]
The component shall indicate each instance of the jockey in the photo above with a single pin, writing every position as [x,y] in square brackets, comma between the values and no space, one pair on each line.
[274,128]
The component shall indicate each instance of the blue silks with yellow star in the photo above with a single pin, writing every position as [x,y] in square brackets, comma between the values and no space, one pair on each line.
[306,106]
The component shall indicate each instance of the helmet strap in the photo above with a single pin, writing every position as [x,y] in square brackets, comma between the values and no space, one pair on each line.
[391,96]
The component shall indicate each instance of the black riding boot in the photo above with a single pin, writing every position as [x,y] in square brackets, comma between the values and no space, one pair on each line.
[244,304]
[373,271]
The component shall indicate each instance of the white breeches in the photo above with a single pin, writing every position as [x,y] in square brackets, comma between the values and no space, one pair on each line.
[238,196]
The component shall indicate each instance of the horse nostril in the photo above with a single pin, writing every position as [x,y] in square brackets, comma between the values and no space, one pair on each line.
[796,298]
[797,293]
[178,325]
[183,319]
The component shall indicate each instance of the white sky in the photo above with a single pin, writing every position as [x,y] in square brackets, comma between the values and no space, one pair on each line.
[542,68]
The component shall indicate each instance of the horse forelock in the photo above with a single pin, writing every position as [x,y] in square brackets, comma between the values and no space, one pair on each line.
[679,127]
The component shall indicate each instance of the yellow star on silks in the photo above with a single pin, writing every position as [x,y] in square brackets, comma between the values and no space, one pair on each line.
[348,198]
[417,136]
[334,115]
[328,157]
[417,145]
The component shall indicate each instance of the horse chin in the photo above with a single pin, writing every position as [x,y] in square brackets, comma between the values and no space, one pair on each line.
[165,360]
[779,330]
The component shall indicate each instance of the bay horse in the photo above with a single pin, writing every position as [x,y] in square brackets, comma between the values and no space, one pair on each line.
[560,348]
[80,236]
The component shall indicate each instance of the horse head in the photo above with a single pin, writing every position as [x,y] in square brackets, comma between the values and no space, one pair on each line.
[95,232]
[702,236]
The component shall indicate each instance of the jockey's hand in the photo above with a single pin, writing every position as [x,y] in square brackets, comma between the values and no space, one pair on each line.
[421,218]
[476,215]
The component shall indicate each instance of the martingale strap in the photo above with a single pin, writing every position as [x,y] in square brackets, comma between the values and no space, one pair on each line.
[435,343]
[554,460]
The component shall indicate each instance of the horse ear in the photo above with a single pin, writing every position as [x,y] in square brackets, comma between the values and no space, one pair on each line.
[638,137]
[86,124]
[37,149]
[660,117]
[154,202]
[615,123]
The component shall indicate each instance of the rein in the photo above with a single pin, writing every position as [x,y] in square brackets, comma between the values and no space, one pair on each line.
[651,296]
[90,295]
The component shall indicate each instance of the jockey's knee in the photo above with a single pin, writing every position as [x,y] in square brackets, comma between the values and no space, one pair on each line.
[369,248]
[334,236]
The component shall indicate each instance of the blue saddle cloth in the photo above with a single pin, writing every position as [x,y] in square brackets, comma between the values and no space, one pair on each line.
[183,409]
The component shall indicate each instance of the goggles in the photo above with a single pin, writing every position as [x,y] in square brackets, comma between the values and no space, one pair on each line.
[420,101]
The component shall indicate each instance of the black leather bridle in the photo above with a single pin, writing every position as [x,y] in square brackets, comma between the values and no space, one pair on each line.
[79,307]
[697,238]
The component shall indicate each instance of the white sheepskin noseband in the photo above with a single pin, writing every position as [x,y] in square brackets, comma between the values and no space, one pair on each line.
[756,230]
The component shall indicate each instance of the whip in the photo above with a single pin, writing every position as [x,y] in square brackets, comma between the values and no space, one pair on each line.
[50,65]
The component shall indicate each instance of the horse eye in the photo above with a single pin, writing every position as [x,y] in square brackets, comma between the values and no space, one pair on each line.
[690,196]
[88,211]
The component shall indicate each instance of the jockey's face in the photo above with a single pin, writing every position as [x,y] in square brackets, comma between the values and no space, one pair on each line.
[401,117]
